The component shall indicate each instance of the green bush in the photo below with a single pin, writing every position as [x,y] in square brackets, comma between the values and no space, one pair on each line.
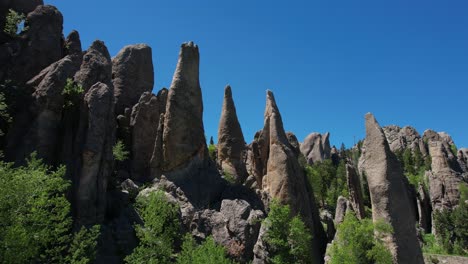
[83,246]
[287,236]
[206,253]
[14,23]
[119,152]
[355,242]
[160,230]
[452,226]
[212,151]
[35,215]
[4,115]
[72,93]
[454,149]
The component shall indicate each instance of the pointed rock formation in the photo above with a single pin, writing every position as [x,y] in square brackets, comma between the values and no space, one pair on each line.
[355,191]
[96,139]
[388,195]
[292,139]
[132,75]
[231,143]
[96,66]
[144,127]
[424,209]
[284,179]
[316,147]
[341,209]
[184,137]
[73,43]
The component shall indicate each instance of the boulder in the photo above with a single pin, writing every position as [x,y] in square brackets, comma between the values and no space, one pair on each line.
[132,75]
[231,143]
[144,124]
[96,139]
[390,202]
[355,192]
[341,209]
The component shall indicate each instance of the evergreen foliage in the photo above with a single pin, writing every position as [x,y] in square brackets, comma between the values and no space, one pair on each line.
[14,23]
[119,152]
[206,253]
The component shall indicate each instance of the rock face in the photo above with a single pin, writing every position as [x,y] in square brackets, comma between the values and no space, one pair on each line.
[341,208]
[462,158]
[388,195]
[42,41]
[445,176]
[424,209]
[316,147]
[355,191]
[45,114]
[97,132]
[132,75]
[183,137]
[400,139]
[284,178]
[73,43]
[144,127]
[96,66]
[231,143]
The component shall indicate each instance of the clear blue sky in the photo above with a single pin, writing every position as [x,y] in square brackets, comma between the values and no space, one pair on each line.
[328,62]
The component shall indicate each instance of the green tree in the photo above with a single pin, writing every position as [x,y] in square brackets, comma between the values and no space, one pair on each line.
[287,236]
[83,246]
[14,23]
[212,151]
[34,214]
[355,243]
[157,235]
[119,152]
[206,253]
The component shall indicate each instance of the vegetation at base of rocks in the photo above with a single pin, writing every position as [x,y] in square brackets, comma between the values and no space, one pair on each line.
[414,166]
[36,226]
[207,252]
[328,181]
[159,232]
[355,242]
[83,246]
[4,115]
[15,23]
[119,151]
[72,93]
[451,227]
[229,177]
[287,236]
[212,151]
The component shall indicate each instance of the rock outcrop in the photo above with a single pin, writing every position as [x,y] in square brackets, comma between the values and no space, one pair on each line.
[41,45]
[424,209]
[388,195]
[96,66]
[462,158]
[316,147]
[231,143]
[341,209]
[184,137]
[284,179]
[144,124]
[400,139]
[96,133]
[73,43]
[355,191]
[132,75]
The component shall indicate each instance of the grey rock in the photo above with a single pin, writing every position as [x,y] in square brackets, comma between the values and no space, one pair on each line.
[96,66]
[98,127]
[73,43]
[316,147]
[341,208]
[462,158]
[130,187]
[424,209]
[355,192]
[231,143]
[132,75]
[388,195]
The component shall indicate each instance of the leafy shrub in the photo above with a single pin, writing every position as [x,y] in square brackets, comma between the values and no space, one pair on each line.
[355,242]
[35,216]
[4,115]
[454,149]
[206,253]
[72,93]
[212,151]
[119,152]
[14,23]
[229,177]
[83,246]
[157,235]
[287,236]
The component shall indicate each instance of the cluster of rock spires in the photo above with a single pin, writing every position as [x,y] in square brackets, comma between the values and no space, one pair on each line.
[164,134]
